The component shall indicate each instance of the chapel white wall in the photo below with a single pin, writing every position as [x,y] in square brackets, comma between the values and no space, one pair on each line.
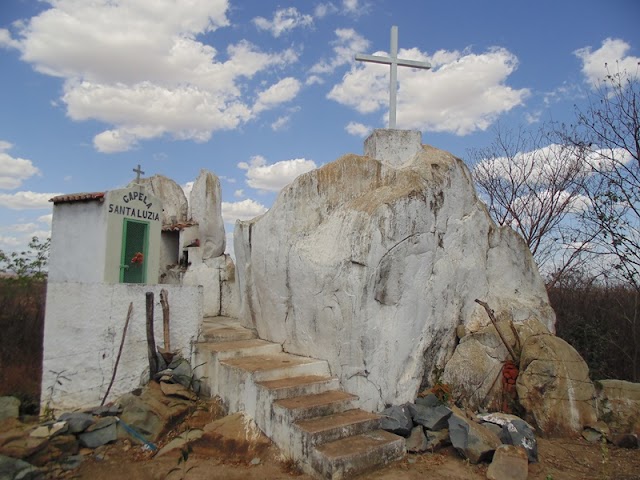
[83,331]
[78,242]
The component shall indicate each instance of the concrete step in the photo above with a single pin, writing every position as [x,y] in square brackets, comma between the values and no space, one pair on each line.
[333,427]
[224,329]
[357,454]
[277,366]
[240,348]
[296,386]
[314,405]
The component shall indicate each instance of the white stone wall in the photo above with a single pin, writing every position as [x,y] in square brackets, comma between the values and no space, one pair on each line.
[78,253]
[83,330]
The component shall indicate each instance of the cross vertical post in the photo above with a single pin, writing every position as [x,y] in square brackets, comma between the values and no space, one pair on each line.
[138,172]
[393,61]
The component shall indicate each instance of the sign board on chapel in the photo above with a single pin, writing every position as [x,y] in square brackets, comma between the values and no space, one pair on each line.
[106,237]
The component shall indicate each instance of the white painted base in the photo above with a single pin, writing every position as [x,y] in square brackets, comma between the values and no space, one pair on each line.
[83,331]
[393,147]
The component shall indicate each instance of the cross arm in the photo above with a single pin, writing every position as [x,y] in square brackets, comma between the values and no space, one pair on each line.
[414,64]
[373,59]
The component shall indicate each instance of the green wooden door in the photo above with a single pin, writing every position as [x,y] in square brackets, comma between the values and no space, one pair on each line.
[133,263]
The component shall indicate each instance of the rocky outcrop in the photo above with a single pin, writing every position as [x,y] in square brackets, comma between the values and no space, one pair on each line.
[618,403]
[554,386]
[205,208]
[174,201]
[475,368]
[373,268]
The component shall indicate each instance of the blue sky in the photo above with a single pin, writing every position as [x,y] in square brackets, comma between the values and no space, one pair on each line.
[260,91]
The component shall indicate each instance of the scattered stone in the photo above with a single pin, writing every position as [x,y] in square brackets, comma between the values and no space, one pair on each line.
[177,390]
[397,419]
[13,468]
[591,435]
[105,411]
[78,422]
[554,386]
[509,463]
[255,461]
[437,440]
[472,441]
[497,429]
[429,400]
[50,430]
[151,413]
[9,407]
[17,443]
[432,418]
[57,448]
[513,431]
[417,441]
[626,440]
[518,433]
[180,441]
[181,371]
[72,462]
[100,433]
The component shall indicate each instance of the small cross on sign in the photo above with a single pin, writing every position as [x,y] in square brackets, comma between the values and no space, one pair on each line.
[394,61]
[138,173]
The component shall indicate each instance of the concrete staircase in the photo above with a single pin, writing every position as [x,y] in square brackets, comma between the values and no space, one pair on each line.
[294,400]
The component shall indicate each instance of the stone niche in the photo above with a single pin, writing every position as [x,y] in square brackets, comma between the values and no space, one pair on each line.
[373,268]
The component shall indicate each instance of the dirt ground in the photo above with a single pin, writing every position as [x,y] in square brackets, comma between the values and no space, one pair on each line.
[232,453]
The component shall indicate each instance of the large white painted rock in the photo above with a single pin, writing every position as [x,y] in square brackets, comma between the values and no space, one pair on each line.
[554,386]
[372,268]
[475,369]
[174,201]
[205,208]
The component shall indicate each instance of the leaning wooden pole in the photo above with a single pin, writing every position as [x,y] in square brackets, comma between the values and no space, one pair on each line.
[151,342]
[492,317]
[164,301]
[115,367]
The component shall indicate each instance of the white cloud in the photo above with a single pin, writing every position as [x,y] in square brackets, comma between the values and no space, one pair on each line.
[9,243]
[350,5]
[280,92]
[13,171]
[345,47]
[612,57]
[281,123]
[284,20]
[324,9]
[6,41]
[238,193]
[26,200]
[138,67]
[275,176]
[314,80]
[23,227]
[46,219]
[243,210]
[358,129]
[464,92]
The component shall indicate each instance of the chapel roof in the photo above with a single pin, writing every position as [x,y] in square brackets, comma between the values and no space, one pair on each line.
[78,197]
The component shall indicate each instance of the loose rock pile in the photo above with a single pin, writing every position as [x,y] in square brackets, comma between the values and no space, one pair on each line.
[142,416]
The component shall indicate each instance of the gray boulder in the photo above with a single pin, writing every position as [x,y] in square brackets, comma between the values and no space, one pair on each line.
[14,469]
[472,441]
[77,422]
[100,433]
[397,419]
[432,418]
[436,440]
[514,431]
[509,463]
[417,441]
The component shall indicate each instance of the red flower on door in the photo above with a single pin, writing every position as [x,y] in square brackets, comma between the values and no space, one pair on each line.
[138,258]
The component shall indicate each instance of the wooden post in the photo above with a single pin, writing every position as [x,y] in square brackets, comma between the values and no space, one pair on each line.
[151,341]
[492,317]
[115,367]
[164,301]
